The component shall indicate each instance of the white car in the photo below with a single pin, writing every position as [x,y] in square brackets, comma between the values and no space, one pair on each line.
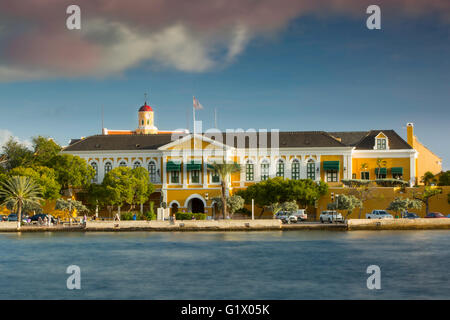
[379,214]
[291,217]
[331,216]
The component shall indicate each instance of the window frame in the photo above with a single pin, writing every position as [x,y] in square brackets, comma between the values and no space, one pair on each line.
[280,168]
[295,169]
[152,171]
[172,175]
[265,170]
[311,174]
[249,174]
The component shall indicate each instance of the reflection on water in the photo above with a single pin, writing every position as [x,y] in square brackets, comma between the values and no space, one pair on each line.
[226,265]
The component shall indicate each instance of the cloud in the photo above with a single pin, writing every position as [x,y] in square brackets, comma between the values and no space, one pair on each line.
[190,36]
[5,135]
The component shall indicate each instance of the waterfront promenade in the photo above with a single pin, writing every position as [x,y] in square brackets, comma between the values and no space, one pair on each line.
[237,225]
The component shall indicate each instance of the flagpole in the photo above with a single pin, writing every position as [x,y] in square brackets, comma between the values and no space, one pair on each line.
[193,113]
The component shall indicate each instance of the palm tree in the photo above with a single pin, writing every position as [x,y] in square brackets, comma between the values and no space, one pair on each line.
[20,191]
[428,178]
[380,163]
[224,170]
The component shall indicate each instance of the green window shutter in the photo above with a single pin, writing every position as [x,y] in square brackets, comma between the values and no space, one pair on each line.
[172,166]
[381,171]
[397,170]
[210,166]
[331,165]
[194,165]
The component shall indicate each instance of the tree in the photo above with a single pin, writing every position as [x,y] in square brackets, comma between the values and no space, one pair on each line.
[72,171]
[70,205]
[234,203]
[45,149]
[224,170]
[273,192]
[118,184]
[43,176]
[345,202]
[444,178]
[381,163]
[428,178]
[426,195]
[362,189]
[400,205]
[290,206]
[16,154]
[142,186]
[20,191]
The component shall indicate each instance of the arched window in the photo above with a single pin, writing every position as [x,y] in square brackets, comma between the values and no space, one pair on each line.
[152,171]
[265,169]
[108,167]
[122,164]
[249,171]
[136,164]
[311,169]
[280,168]
[95,167]
[295,169]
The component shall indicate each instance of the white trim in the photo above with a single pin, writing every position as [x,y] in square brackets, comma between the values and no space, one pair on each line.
[174,202]
[193,196]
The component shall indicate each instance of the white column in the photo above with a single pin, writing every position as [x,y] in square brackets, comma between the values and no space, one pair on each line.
[205,173]
[412,169]
[184,172]
[164,173]
[318,166]
[349,167]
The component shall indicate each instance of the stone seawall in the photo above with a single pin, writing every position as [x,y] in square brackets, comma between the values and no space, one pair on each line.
[398,224]
[184,225]
[237,225]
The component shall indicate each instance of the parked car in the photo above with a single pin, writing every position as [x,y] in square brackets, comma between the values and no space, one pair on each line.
[331,216]
[435,215]
[287,217]
[36,217]
[3,217]
[410,215]
[13,217]
[379,214]
[300,214]
[448,216]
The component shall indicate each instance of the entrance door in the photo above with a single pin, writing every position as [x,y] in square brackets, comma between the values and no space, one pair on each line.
[196,205]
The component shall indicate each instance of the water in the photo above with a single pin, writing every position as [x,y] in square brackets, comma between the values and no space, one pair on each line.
[226,265]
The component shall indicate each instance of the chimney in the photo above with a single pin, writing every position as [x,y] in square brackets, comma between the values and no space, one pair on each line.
[410,134]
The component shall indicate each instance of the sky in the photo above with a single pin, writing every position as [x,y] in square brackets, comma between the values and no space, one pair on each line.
[268,64]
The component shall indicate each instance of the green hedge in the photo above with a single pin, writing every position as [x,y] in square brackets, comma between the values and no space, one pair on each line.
[391,183]
[188,216]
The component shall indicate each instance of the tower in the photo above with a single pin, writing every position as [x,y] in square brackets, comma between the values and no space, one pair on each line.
[146,120]
[410,134]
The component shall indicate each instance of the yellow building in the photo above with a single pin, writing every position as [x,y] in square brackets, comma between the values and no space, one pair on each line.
[179,162]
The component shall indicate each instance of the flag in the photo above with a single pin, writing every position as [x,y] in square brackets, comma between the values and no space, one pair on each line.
[197,104]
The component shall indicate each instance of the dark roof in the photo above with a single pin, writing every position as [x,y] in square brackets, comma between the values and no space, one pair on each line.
[349,138]
[294,139]
[395,141]
[120,142]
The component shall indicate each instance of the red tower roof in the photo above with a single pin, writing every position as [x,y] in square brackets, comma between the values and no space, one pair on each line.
[145,107]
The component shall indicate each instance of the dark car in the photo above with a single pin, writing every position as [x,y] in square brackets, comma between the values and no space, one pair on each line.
[36,217]
[3,217]
[410,215]
[435,215]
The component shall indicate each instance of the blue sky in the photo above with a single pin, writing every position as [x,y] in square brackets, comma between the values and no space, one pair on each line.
[317,73]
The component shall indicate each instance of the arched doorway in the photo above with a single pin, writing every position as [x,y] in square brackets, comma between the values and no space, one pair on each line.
[174,208]
[196,206]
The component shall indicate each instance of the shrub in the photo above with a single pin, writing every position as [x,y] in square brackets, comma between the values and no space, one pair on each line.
[149,215]
[188,216]
[391,183]
[126,216]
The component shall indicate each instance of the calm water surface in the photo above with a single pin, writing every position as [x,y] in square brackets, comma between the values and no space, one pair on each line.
[232,265]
